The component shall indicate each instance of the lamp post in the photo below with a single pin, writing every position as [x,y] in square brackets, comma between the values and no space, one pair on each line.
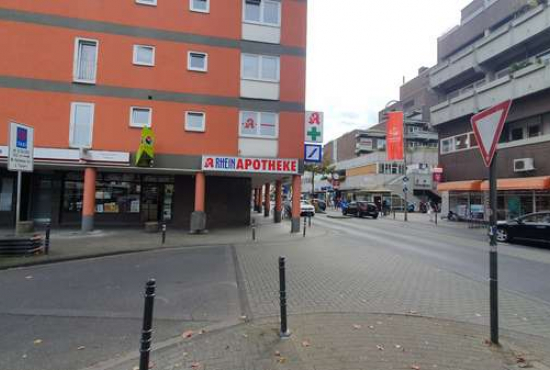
[405,183]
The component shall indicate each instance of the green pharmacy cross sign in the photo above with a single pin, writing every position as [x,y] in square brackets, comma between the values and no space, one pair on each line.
[314,133]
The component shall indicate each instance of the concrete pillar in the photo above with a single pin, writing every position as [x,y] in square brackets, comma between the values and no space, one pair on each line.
[88,201]
[267,200]
[256,200]
[198,218]
[278,202]
[260,196]
[296,209]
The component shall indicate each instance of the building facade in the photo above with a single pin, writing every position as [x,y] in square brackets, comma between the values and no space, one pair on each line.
[221,85]
[500,51]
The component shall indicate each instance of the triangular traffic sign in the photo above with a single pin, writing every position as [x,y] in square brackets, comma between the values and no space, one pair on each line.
[488,126]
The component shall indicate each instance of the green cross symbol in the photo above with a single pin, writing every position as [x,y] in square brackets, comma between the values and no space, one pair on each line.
[313,133]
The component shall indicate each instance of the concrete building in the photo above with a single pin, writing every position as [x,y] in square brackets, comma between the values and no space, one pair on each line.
[221,84]
[500,51]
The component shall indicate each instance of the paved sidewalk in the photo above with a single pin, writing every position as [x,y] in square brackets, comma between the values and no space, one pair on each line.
[73,244]
[348,341]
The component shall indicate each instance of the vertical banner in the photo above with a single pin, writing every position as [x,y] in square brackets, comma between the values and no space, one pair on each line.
[394,136]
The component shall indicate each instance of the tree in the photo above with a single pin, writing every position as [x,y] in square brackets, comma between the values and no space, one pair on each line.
[323,168]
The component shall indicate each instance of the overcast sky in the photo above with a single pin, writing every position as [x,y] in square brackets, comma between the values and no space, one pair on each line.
[359,51]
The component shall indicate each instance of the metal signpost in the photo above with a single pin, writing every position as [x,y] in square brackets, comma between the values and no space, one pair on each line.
[488,126]
[20,158]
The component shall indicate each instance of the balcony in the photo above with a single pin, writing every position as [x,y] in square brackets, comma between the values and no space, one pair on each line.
[472,59]
[526,81]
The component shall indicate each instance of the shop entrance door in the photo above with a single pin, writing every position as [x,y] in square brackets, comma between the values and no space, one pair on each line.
[42,200]
[150,202]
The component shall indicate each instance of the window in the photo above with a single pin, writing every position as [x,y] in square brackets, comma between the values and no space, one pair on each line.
[473,141]
[197,61]
[534,131]
[447,146]
[260,67]
[381,144]
[461,142]
[266,12]
[516,134]
[147,2]
[140,117]
[81,128]
[85,61]
[259,124]
[195,121]
[144,55]
[202,6]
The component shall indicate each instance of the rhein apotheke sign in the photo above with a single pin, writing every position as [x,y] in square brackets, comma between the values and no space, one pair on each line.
[249,165]
[21,148]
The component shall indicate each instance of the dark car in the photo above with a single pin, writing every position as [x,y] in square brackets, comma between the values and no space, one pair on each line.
[532,227]
[361,209]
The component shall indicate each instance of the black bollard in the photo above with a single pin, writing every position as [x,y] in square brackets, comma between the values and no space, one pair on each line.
[254,232]
[163,233]
[435,218]
[284,333]
[309,221]
[304,227]
[147,330]
[47,240]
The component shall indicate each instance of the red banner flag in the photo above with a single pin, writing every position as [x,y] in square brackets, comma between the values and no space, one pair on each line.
[394,136]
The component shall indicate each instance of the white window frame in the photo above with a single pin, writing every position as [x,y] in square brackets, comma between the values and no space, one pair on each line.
[261,22]
[260,65]
[194,129]
[193,9]
[72,124]
[135,125]
[77,42]
[189,68]
[258,130]
[136,62]
[147,2]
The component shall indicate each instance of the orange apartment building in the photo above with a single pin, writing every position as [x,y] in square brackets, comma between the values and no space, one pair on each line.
[221,83]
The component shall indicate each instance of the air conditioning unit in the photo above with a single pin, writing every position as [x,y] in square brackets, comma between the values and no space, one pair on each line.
[524,164]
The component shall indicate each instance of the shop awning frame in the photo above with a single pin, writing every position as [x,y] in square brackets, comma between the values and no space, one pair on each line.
[472,185]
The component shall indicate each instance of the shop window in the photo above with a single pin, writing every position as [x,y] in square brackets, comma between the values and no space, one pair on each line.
[140,117]
[446,146]
[195,121]
[260,67]
[6,194]
[201,6]
[266,12]
[144,55]
[259,124]
[73,193]
[85,61]
[473,141]
[197,61]
[81,126]
[118,194]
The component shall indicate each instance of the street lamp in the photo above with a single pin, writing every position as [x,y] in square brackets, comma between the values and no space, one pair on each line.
[405,179]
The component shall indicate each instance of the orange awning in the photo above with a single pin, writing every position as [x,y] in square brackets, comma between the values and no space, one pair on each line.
[524,183]
[474,185]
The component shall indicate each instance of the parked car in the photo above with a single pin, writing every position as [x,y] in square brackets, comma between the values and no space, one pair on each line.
[532,227]
[361,209]
[320,205]
[306,209]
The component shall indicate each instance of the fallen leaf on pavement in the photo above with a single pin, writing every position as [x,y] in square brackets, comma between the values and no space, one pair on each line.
[520,359]
[305,343]
[413,312]
[243,317]
[151,364]
[202,331]
[37,341]
[81,348]
[397,346]
[415,367]
[195,365]
[380,348]
[24,356]
[478,314]
[281,360]
[184,354]
[379,323]
[277,353]
[357,327]
[187,334]
[487,342]
[28,277]
[245,335]
[135,368]
[371,327]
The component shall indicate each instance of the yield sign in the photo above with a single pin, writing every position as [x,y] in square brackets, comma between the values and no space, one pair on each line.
[488,126]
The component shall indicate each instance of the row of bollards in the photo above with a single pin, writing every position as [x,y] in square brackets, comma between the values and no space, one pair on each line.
[163,233]
[147,325]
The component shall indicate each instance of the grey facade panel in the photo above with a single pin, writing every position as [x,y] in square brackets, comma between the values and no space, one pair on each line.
[133,31]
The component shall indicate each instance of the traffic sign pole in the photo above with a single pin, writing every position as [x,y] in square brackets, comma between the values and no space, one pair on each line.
[493,253]
[18,203]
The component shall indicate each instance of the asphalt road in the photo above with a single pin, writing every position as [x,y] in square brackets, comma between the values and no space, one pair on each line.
[522,269]
[70,315]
